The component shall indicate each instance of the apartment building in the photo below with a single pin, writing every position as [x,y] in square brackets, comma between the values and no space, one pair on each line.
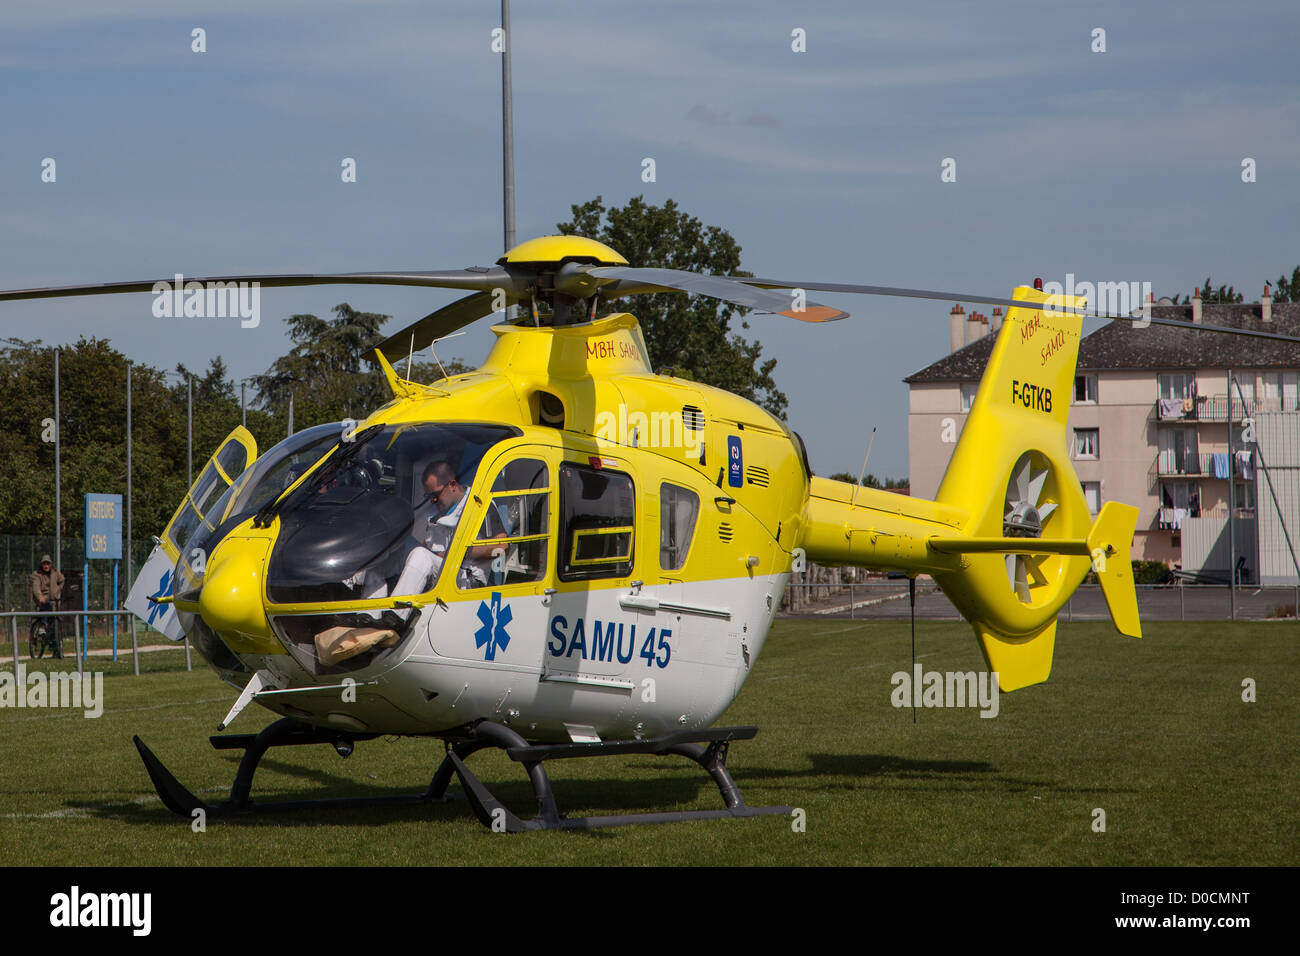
[1154,423]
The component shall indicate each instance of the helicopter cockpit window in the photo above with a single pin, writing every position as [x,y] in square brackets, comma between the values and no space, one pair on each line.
[678,509]
[598,516]
[510,546]
[277,469]
[376,518]
[211,484]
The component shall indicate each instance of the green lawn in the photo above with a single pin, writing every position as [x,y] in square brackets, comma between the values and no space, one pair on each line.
[1153,732]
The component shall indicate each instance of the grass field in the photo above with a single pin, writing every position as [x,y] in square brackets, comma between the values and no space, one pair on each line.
[1153,732]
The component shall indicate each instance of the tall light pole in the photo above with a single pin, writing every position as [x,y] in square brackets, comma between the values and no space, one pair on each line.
[130,576]
[58,488]
[189,429]
[507,128]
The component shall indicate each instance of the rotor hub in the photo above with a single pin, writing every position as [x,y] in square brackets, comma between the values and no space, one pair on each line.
[1022,521]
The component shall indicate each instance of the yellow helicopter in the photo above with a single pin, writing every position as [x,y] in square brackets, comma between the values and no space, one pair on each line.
[565,554]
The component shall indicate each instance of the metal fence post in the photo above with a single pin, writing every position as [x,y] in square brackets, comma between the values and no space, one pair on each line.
[852,596]
[14,621]
[135,648]
[1182,607]
[188,665]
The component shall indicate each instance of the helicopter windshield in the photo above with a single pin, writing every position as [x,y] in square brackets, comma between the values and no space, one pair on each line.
[277,469]
[376,520]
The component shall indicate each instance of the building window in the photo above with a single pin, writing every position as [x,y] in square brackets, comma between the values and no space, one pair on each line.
[1279,391]
[1178,385]
[1086,444]
[1092,493]
[968,390]
[1085,390]
[1179,453]
[1245,496]
[1178,500]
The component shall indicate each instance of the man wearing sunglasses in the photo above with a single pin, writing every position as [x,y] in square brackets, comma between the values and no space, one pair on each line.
[444,502]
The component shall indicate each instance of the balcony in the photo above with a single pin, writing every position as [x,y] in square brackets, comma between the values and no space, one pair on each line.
[1171,465]
[1202,408]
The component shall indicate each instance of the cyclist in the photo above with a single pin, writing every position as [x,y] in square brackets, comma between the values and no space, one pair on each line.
[47,588]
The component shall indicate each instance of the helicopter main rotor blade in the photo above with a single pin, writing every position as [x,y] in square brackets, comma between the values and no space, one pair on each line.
[442,322]
[738,292]
[993,300]
[478,278]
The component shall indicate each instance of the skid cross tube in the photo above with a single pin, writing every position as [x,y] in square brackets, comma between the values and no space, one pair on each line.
[708,748]
[493,814]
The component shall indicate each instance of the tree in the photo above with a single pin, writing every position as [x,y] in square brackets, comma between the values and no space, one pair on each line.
[324,369]
[325,366]
[1288,290]
[331,370]
[1222,294]
[870,480]
[689,334]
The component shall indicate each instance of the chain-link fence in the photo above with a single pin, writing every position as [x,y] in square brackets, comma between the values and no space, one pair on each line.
[830,592]
[20,555]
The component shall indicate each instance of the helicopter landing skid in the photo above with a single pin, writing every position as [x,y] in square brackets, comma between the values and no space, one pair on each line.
[288,732]
[283,733]
[491,813]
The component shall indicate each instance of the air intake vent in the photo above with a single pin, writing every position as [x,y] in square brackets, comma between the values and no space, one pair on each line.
[693,418]
[757,476]
[724,531]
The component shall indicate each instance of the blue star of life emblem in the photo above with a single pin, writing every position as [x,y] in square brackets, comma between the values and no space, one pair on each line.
[164,588]
[493,632]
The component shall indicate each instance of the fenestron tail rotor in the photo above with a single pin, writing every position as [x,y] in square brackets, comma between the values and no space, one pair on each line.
[1025,514]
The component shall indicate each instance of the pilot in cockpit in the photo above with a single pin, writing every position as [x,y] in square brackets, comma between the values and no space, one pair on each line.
[434,526]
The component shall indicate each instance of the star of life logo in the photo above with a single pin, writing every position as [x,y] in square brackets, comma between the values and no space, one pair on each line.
[164,590]
[492,634]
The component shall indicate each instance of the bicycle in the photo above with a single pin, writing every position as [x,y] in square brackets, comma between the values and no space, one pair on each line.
[46,634]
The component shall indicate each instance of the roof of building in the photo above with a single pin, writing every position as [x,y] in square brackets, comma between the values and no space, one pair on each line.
[1117,345]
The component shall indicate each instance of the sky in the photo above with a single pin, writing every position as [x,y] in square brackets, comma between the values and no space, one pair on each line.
[1115,165]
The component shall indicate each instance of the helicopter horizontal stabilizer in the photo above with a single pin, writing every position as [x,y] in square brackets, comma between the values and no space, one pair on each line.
[1111,534]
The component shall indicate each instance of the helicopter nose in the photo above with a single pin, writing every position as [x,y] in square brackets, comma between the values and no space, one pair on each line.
[230,600]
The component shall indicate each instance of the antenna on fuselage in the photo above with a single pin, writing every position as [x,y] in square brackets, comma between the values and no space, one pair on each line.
[435,354]
[863,473]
